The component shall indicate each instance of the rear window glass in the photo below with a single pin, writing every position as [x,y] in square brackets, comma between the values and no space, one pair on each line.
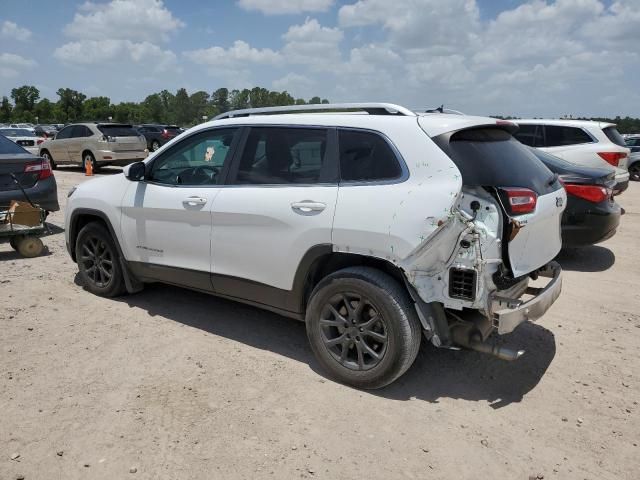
[613,135]
[118,130]
[366,157]
[491,157]
[8,147]
[559,136]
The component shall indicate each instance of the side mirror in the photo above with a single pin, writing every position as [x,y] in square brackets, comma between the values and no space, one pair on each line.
[135,172]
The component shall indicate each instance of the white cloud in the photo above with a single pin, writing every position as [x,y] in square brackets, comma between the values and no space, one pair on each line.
[279,7]
[122,33]
[11,30]
[293,82]
[313,44]
[134,20]
[240,54]
[11,64]
[116,52]
[540,57]
[442,26]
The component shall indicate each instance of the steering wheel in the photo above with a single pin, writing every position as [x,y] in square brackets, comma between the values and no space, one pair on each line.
[205,172]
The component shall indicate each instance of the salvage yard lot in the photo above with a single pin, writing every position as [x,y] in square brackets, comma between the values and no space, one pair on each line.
[170,383]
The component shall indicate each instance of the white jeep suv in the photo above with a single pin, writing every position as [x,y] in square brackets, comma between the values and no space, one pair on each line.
[587,143]
[371,223]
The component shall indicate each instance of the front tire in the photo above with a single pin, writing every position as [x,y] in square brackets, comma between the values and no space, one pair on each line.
[99,261]
[363,327]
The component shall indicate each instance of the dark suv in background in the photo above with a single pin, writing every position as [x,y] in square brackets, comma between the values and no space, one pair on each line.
[158,135]
[32,171]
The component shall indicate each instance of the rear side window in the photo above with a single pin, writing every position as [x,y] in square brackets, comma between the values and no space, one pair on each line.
[613,135]
[366,157]
[64,133]
[531,135]
[280,156]
[80,131]
[8,147]
[118,130]
[557,136]
[491,157]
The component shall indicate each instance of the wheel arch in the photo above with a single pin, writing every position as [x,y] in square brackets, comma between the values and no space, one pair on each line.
[83,216]
[321,260]
[85,151]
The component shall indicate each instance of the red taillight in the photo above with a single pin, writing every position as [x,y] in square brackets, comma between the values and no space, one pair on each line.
[42,167]
[40,140]
[521,200]
[592,193]
[613,157]
[165,133]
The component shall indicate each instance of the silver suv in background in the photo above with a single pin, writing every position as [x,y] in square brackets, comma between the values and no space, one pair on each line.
[98,143]
[585,143]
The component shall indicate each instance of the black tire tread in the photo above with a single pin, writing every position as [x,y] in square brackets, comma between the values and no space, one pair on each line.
[411,330]
[118,286]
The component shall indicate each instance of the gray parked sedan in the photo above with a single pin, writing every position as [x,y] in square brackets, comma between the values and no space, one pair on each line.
[33,172]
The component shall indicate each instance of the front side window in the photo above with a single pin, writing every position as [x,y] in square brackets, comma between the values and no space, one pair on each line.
[281,155]
[196,160]
[366,157]
[557,136]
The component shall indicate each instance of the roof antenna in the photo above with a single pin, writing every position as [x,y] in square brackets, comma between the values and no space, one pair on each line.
[440,108]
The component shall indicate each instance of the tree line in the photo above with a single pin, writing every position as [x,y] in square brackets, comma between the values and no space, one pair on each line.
[164,107]
[168,108]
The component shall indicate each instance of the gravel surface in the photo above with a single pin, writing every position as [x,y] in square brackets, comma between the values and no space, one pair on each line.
[174,384]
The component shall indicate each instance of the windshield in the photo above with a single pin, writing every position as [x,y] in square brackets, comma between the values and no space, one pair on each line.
[16,132]
[8,147]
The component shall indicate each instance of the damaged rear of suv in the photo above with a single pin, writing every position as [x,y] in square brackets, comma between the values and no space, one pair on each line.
[373,224]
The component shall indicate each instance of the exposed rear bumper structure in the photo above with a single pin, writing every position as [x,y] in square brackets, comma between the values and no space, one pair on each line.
[508,313]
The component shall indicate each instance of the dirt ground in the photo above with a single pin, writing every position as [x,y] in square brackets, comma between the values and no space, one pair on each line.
[174,384]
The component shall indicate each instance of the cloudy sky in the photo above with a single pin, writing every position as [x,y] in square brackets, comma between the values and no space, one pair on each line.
[533,57]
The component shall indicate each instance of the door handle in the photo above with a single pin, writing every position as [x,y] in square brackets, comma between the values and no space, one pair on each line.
[308,207]
[194,201]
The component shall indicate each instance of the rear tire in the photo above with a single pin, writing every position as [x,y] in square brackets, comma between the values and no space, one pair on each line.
[363,327]
[47,156]
[634,171]
[13,241]
[99,261]
[88,157]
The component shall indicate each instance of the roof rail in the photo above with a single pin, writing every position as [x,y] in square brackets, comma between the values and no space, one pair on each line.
[370,108]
